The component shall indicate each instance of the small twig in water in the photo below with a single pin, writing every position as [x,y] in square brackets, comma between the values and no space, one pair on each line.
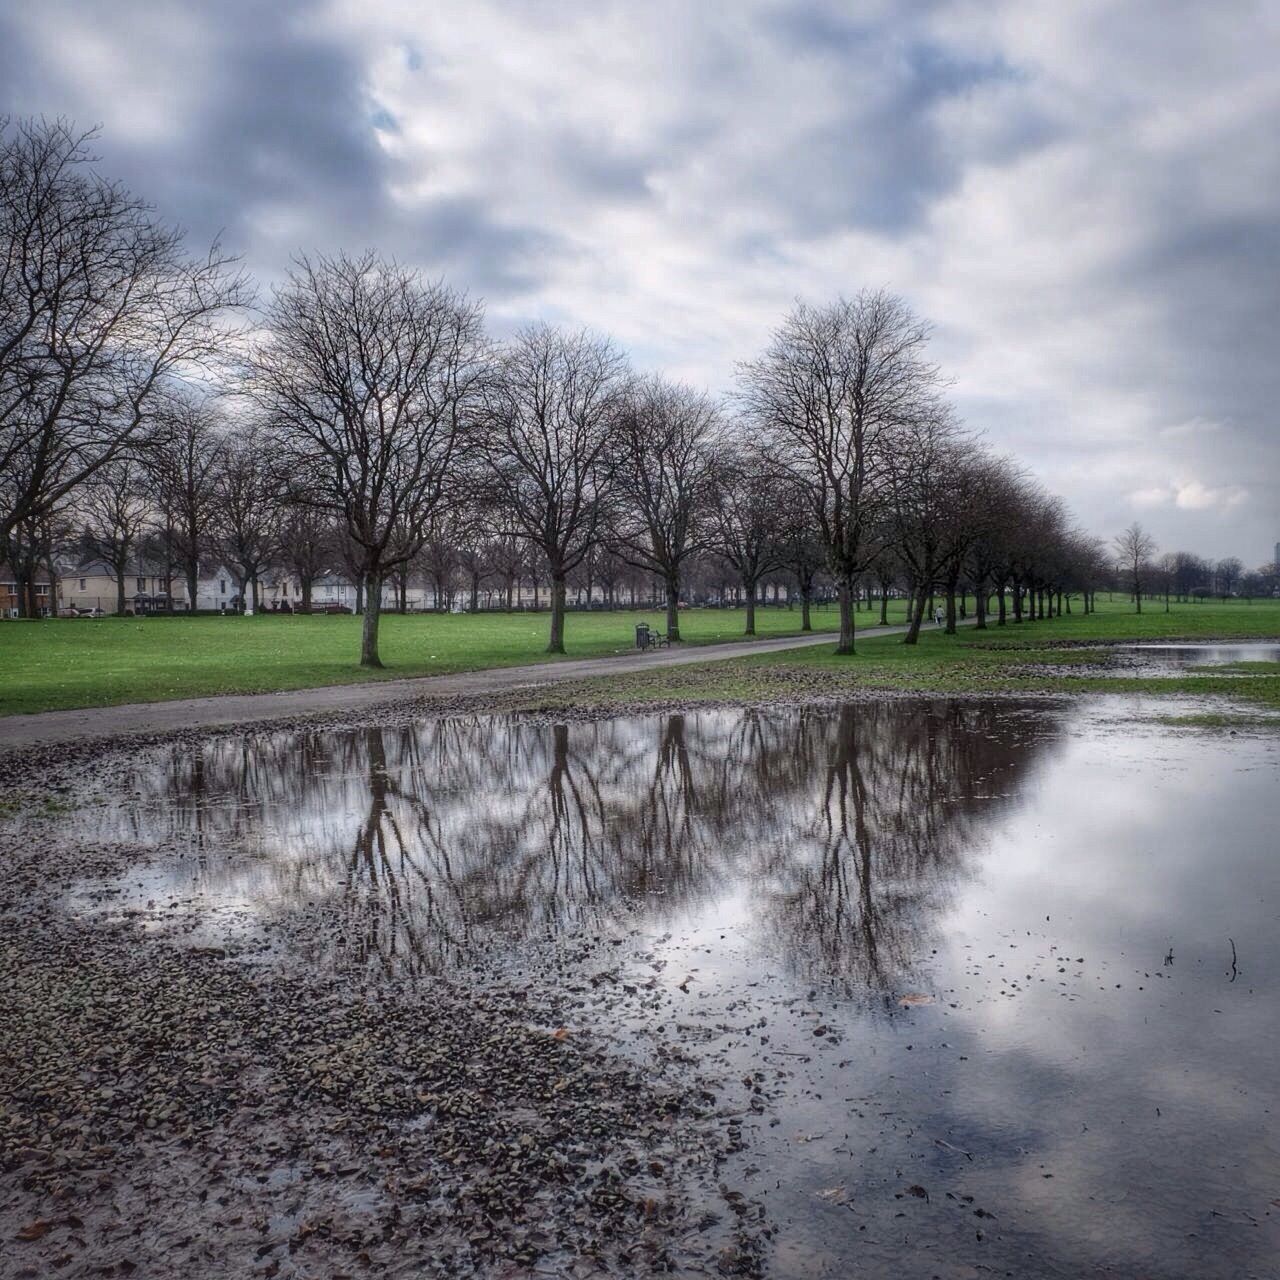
[1235,973]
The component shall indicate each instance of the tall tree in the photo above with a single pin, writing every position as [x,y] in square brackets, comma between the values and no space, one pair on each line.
[246,524]
[748,515]
[99,306]
[183,463]
[665,448]
[834,393]
[116,511]
[306,545]
[369,376]
[1134,549]
[551,405]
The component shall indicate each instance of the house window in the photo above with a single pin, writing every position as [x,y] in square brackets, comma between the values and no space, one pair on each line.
[81,584]
[222,586]
[142,584]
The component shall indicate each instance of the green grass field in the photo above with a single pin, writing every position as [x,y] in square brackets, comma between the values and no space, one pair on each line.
[1032,658]
[81,662]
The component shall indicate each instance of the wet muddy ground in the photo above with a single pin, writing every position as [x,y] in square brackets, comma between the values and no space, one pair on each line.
[913,988]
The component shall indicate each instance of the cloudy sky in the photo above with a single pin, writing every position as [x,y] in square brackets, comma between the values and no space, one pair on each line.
[1082,197]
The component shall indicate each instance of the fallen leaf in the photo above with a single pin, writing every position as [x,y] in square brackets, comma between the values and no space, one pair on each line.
[561,1033]
[34,1230]
[915,998]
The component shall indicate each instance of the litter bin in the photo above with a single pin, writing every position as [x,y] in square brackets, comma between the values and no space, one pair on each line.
[642,635]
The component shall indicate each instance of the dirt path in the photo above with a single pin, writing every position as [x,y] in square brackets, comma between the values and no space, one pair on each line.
[51,728]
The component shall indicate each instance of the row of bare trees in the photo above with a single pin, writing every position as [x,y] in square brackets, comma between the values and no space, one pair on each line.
[362,420]
[1182,575]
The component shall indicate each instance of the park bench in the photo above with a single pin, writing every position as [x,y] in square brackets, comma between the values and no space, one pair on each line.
[647,638]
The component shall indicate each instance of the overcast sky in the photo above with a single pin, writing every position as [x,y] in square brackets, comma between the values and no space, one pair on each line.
[1080,196]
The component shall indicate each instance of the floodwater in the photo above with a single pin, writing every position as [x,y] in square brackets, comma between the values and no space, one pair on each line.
[1166,659]
[997,983]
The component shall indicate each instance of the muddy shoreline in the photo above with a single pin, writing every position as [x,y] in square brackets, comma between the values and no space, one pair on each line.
[172,1109]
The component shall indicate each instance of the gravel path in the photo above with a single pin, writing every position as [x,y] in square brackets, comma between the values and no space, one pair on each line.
[53,728]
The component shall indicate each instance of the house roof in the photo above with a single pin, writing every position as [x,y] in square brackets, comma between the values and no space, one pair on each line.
[7,574]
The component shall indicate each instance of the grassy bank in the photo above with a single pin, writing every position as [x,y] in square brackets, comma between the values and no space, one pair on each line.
[58,663]
[1043,657]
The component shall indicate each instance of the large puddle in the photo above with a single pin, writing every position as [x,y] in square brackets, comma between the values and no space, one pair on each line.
[1181,659]
[1004,975]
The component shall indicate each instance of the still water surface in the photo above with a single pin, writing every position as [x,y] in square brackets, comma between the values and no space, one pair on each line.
[1006,975]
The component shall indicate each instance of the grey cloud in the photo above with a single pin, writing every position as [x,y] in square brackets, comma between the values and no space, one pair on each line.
[764,135]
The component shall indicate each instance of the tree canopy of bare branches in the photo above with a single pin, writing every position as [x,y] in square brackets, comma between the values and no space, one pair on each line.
[552,402]
[369,377]
[100,305]
[1134,549]
[665,449]
[834,393]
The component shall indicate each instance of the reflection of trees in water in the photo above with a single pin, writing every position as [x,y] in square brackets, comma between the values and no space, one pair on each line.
[422,846]
[899,792]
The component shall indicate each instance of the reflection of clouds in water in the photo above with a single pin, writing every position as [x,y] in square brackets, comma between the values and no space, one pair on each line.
[420,846]
[848,842]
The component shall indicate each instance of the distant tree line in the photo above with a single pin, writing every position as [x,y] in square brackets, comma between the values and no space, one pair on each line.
[361,420]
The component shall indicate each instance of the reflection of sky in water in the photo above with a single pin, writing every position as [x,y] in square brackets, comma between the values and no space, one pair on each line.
[1029,867]
[1167,659]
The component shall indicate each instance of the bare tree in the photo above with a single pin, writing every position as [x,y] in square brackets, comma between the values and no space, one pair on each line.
[834,392]
[1134,549]
[917,479]
[183,465]
[246,525]
[306,545]
[99,306]
[369,376]
[665,449]
[1226,575]
[116,513]
[747,514]
[550,409]
[799,549]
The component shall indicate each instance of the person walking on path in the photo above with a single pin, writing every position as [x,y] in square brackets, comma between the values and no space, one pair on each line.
[938,616]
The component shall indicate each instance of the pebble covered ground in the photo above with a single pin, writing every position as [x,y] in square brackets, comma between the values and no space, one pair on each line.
[175,1109]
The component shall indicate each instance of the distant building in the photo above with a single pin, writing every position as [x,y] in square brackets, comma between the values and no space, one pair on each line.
[91,587]
[9,606]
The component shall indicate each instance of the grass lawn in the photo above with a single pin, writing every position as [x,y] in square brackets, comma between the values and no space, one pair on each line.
[1031,658]
[80,662]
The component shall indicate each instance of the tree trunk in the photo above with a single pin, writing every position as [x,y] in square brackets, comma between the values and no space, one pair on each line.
[884,606]
[951,606]
[120,590]
[846,641]
[980,607]
[556,644]
[673,607]
[369,632]
[305,583]
[193,587]
[475,592]
[805,623]
[916,608]
[751,608]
